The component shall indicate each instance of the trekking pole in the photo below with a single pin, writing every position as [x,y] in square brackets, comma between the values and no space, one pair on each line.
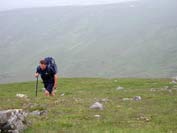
[36,86]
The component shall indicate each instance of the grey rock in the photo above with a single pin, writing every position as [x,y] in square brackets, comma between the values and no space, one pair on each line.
[38,113]
[97,105]
[152,89]
[137,98]
[119,88]
[173,82]
[13,121]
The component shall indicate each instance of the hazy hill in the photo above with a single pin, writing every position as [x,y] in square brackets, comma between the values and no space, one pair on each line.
[133,39]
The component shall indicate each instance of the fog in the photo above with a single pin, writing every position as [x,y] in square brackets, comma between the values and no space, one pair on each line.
[15,4]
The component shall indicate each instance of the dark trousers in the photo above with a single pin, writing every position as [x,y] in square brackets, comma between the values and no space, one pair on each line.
[49,87]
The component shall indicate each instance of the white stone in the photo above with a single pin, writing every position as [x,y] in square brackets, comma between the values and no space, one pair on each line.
[119,88]
[127,99]
[21,95]
[62,94]
[97,116]
[97,105]
[173,82]
[104,100]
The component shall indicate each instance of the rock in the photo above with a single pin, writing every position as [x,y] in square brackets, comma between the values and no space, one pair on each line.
[152,89]
[137,98]
[173,82]
[104,100]
[38,113]
[119,88]
[13,121]
[21,95]
[143,118]
[127,99]
[97,105]
[62,94]
[97,116]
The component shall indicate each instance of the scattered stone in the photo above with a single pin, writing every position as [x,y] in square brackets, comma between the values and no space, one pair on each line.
[137,98]
[119,88]
[127,99]
[166,88]
[143,118]
[152,89]
[104,100]
[62,94]
[173,82]
[13,121]
[97,105]
[97,116]
[38,113]
[21,95]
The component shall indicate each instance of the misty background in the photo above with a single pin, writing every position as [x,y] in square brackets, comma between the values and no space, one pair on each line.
[16,4]
[136,39]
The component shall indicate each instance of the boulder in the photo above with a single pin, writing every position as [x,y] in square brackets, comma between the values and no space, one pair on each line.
[13,121]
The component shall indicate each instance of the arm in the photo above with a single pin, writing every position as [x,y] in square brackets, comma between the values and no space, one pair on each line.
[55,81]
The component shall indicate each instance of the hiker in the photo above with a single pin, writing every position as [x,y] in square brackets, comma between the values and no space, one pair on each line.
[47,69]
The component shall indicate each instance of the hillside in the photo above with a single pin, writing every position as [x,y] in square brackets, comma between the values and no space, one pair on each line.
[155,113]
[133,39]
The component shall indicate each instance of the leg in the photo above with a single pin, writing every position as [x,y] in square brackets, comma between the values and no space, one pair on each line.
[53,93]
[49,89]
[46,91]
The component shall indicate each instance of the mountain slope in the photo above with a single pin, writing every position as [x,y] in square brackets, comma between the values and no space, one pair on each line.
[133,39]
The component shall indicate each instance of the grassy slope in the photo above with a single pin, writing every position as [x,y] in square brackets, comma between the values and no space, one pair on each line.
[71,112]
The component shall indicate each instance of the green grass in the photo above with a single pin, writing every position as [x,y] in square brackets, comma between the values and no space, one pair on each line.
[71,112]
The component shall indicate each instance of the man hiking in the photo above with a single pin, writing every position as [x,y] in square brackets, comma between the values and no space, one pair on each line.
[47,69]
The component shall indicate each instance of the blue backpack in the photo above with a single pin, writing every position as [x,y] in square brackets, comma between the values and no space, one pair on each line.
[51,63]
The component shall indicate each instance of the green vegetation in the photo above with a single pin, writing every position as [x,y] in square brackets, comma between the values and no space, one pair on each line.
[155,113]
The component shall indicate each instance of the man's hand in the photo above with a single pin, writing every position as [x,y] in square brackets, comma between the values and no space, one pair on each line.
[36,75]
[55,87]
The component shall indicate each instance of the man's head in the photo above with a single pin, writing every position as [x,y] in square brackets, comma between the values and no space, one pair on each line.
[43,64]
